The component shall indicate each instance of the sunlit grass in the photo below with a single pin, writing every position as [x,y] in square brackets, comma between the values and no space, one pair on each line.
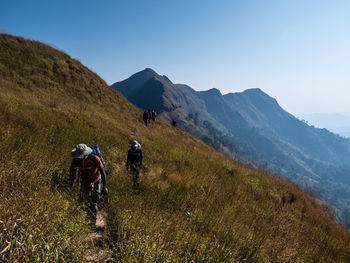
[193,205]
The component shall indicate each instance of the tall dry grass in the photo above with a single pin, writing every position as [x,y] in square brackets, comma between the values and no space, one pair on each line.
[194,204]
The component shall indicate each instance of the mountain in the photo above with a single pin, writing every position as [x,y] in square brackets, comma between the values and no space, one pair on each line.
[194,204]
[251,126]
[148,90]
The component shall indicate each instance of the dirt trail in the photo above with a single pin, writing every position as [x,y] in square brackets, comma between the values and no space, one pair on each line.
[97,247]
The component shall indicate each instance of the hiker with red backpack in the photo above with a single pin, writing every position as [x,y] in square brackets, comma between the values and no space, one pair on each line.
[92,175]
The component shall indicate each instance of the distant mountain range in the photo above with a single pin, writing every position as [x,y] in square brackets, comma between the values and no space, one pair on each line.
[337,123]
[251,127]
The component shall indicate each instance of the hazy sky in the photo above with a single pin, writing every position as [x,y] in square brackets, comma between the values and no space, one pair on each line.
[297,51]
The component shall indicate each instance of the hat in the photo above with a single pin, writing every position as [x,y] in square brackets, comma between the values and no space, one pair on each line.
[135,144]
[80,151]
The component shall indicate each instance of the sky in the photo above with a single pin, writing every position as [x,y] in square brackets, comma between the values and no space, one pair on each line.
[297,51]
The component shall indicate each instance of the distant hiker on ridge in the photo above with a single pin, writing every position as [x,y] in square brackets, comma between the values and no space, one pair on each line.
[173,123]
[145,117]
[149,116]
[134,161]
[153,116]
[92,172]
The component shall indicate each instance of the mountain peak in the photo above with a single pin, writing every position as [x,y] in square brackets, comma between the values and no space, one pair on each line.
[149,70]
[254,91]
[138,78]
[214,91]
[257,93]
[146,73]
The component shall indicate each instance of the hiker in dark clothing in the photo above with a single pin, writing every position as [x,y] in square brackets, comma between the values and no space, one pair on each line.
[92,174]
[145,117]
[173,123]
[149,116]
[134,161]
[153,116]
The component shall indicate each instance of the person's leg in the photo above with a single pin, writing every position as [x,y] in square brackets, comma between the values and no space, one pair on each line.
[97,193]
[132,171]
[135,176]
[93,200]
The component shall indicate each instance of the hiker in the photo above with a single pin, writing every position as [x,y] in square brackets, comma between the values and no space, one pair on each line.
[145,117]
[149,115]
[92,174]
[153,116]
[134,161]
[173,123]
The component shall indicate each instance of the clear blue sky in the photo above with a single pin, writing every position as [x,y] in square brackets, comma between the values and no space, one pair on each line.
[297,51]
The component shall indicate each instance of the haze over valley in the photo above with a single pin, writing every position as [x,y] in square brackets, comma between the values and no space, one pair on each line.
[336,123]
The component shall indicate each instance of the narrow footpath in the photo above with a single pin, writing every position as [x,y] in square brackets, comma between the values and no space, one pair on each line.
[97,246]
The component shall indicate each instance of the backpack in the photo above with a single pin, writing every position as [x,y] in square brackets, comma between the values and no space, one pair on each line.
[96,151]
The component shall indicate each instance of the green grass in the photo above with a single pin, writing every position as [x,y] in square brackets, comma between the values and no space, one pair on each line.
[194,204]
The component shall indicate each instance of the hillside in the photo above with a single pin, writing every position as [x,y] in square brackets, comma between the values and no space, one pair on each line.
[251,126]
[194,205]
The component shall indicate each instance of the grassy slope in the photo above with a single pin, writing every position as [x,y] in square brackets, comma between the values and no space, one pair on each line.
[194,203]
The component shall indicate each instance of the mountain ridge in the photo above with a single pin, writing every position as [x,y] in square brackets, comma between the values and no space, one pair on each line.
[253,125]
